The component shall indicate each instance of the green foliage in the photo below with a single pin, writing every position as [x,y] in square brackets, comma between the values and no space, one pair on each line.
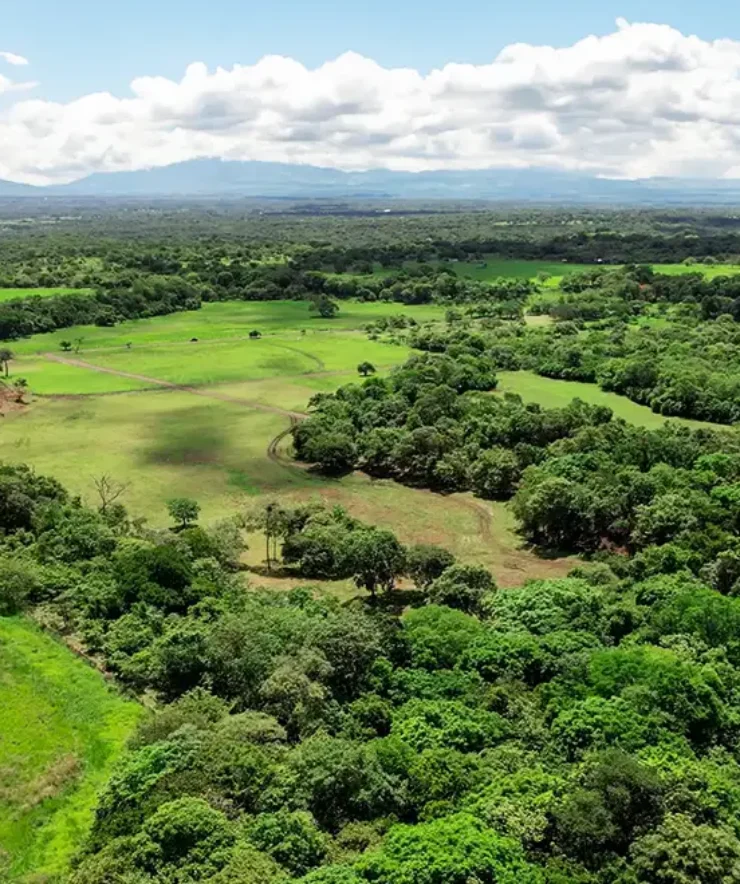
[425,563]
[463,587]
[454,850]
[292,839]
[19,583]
[183,511]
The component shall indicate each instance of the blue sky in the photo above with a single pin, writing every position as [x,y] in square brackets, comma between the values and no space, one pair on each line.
[81,46]
[622,89]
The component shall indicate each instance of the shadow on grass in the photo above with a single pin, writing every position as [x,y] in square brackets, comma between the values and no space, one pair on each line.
[189,436]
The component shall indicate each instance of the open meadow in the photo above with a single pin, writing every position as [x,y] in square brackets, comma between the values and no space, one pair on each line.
[169,417]
[493,267]
[62,729]
[553,393]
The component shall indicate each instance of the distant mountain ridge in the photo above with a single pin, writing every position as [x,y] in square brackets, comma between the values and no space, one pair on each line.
[220,178]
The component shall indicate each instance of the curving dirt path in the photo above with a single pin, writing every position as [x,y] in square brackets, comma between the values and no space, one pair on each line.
[273,449]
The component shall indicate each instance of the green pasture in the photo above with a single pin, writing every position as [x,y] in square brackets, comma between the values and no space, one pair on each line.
[14,294]
[217,321]
[492,267]
[61,731]
[163,444]
[553,393]
[247,360]
[710,271]
[53,378]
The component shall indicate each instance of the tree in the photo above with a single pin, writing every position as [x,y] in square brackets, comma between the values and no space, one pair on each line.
[274,521]
[366,368]
[187,833]
[109,491]
[324,306]
[377,559]
[66,346]
[495,473]
[462,587]
[617,798]
[426,562]
[293,839]
[457,849]
[679,852]
[18,583]
[5,357]
[334,452]
[183,511]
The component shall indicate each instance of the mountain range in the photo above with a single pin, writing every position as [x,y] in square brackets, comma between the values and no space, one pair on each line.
[237,179]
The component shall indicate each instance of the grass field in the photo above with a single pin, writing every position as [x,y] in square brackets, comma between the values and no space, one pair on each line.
[496,267]
[552,393]
[13,294]
[231,319]
[61,730]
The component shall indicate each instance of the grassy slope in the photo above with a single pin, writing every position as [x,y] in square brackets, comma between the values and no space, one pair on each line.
[61,730]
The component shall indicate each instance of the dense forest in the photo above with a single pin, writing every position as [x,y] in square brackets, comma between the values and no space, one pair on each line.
[576,730]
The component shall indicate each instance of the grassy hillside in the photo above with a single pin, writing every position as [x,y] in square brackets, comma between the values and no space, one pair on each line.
[61,730]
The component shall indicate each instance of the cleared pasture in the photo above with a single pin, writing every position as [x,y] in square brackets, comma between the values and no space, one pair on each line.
[224,320]
[553,393]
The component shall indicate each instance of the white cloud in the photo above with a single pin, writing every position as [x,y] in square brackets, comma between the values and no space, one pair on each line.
[12,58]
[645,100]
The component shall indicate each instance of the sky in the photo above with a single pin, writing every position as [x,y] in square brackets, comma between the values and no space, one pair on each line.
[625,89]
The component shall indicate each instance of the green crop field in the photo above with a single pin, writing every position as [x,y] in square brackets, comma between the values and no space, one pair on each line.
[14,294]
[61,730]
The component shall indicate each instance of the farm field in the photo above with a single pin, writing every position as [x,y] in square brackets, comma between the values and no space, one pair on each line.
[61,730]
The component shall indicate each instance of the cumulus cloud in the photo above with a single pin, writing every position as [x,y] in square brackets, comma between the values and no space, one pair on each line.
[12,58]
[645,100]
